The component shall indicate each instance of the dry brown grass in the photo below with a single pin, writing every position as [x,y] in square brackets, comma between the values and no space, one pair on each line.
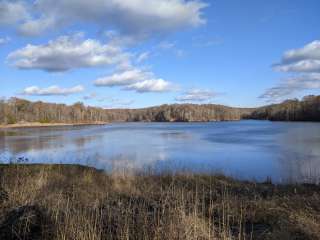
[74,202]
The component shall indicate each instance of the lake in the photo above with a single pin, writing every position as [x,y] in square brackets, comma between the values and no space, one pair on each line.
[250,150]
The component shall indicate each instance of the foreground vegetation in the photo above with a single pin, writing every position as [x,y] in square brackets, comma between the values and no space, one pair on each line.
[74,202]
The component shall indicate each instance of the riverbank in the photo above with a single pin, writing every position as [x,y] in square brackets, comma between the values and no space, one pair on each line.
[75,202]
[38,124]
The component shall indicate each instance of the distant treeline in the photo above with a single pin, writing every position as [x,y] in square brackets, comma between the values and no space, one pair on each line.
[308,109]
[19,110]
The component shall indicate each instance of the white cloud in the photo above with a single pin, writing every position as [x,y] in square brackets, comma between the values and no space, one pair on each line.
[308,65]
[136,80]
[142,57]
[4,40]
[123,78]
[130,17]
[115,38]
[65,53]
[166,45]
[53,90]
[12,12]
[196,95]
[151,85]
[309,51]
[90,96]
[36,27]
[292,85]
[276,94]
[171,47]
[305,63]
[305,59]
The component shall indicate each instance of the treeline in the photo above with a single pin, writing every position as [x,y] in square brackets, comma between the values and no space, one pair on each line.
[17,110]
[183,113]
[308,109]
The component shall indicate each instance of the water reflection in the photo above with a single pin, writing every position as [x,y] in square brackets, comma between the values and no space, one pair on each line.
[246,149]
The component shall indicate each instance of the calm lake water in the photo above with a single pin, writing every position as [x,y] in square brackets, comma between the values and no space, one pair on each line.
[252,150]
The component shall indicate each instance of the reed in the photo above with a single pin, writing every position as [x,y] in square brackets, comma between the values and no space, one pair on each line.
[75,202]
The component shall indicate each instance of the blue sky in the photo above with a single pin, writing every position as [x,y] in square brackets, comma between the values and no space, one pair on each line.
[138,53]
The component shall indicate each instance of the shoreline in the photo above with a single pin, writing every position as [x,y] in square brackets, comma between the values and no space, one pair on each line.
[37,124]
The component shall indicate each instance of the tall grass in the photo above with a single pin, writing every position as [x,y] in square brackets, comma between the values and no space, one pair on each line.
[74,202]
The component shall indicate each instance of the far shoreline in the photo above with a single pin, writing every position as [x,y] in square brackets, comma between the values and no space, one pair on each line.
[38,124]
[47,125]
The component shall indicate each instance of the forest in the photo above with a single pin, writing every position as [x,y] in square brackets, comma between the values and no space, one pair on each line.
[308,109]
[17,110]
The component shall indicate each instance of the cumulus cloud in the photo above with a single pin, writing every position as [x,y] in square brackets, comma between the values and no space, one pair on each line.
[130,17]
[13,12]
[36,27]
[305,64]
[72,52]
[151,85]
[123,78]
[65,53]
[196,95]
[305,59]
[136,80]
[51,91]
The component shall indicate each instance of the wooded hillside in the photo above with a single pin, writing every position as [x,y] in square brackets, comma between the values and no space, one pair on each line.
[308,109]
[18,110]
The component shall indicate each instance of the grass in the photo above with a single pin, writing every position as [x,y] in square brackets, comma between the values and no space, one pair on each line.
[75,202]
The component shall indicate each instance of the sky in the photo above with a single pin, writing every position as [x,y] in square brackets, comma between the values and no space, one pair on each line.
[140,53]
